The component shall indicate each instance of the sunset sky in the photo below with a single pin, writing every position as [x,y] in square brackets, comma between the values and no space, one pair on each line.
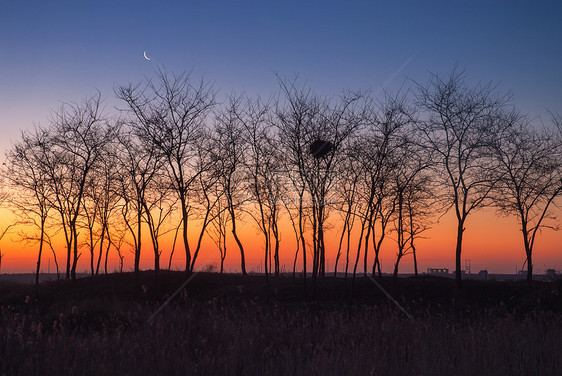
[66,50]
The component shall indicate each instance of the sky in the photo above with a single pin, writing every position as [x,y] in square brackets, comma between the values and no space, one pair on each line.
[53,51]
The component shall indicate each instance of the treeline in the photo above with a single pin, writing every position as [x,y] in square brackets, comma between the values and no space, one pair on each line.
[175,160]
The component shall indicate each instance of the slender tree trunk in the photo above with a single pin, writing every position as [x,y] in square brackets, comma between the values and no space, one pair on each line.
[458,276]
[378,246]
[370,230]
[370,227]
[100,249]
[156,261]
[107,251]
[303,242]
[395,273]
[343,232]
[223,253]
[276,254]
[295,231]
[412,240]
[359,245]
[92,252]
[528,250]
[269,250]
[184,234]
[314,244]
[348,248]
[174,245]
[138,245]
[242,256]
[400,230]
[42,237]
[54,258]
[415,258]
[68,256]
[322,248]
[75,252]
[200,239]
[529,267]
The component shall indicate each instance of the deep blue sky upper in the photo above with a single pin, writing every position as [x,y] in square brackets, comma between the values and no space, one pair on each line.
[53,51]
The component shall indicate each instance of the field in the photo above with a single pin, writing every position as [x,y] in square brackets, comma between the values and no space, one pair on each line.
[234,325]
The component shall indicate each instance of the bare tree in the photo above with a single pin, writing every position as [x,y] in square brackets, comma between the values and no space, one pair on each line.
[219,223]
[79,133]
[373,151]
[170,118]
[207,192]
[410,183]
[293,118]
[25,171]
[91,217]
[530,178]
[459,124]
[101,202]
[420,209]
[294,204]
[312,129]
[263,170]
[158,208]
[108,199]
[230,151]
[139,166]
[350,172]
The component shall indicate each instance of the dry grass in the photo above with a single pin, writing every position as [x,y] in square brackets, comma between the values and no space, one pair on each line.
[224,336]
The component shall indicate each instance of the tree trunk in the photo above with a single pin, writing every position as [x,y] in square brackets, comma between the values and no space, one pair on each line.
[303,242]
[100,250]
[359,248]
[156,262]
[68,256]
[529,267]
[184,233]
[138,245]
[107,252]
[276,254]
[39,255]
[415,260]
[75,253]
[174,246]
[458,277]
[242,257]
[528,249]
[395,274]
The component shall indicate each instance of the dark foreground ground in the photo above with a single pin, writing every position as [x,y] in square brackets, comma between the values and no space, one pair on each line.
[234,325]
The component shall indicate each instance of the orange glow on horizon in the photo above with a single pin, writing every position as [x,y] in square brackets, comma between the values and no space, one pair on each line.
[490,242]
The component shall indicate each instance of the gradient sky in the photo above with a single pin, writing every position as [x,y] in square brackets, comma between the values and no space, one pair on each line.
[64,50]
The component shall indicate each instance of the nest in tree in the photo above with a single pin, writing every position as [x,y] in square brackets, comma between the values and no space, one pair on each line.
[320,148]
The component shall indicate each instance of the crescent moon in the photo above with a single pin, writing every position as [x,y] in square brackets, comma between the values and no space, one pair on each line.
[146,57]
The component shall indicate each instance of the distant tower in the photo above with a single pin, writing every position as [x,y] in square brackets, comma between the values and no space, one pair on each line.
[467,266]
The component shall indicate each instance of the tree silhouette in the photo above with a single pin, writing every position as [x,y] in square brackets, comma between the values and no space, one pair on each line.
[176,158]
[374,148]
[170,115]
[529,178]
[79,133]
[231,153]
[459,126]
[311,129]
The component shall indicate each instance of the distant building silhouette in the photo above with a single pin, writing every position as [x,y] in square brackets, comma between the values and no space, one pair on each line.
[443,272]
